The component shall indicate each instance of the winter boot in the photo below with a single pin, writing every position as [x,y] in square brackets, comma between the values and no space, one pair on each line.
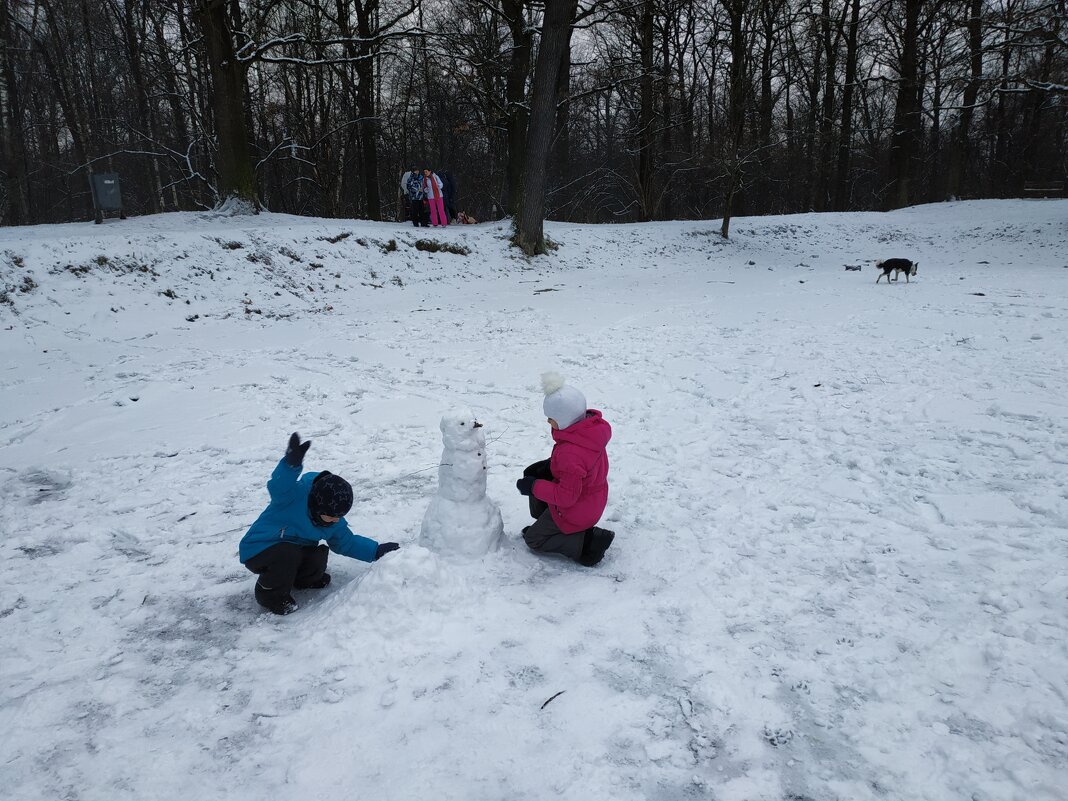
[594,543]
[275,602]
[315,585]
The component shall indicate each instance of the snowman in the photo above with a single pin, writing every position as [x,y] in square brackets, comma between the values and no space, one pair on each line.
[461,520]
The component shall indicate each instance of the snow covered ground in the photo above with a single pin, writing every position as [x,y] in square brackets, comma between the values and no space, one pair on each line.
[841,563]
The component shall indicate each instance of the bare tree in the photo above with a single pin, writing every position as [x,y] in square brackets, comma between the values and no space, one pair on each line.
[218,20]
[735,161]
[12,137]
[656,108]
[646,133]
[518,116]
[907,131]
[555,34]
[845,136]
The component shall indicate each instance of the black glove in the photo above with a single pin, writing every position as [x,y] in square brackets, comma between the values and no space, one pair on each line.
[384,548]
[525,485]
[295,452]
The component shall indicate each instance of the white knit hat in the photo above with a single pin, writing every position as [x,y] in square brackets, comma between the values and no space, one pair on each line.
[563,403]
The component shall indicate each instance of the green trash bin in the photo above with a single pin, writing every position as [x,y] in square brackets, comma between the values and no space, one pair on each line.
[107,194]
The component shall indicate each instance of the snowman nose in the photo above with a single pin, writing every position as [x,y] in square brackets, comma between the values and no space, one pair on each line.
[477,424]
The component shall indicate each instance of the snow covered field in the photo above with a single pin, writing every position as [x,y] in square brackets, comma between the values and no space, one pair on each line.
[841,563]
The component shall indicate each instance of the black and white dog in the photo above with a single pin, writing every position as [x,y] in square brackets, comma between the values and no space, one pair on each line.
[896,266]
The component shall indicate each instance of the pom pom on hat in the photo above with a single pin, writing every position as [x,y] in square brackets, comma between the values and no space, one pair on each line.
[563,403]
[551,382]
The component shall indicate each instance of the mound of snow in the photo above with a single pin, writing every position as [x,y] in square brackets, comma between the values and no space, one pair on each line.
[233,206]
[402,586]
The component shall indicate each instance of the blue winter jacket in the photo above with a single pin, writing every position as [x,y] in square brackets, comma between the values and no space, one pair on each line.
[286,519]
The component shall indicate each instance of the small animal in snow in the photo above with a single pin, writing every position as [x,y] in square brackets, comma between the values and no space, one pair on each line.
[896,266]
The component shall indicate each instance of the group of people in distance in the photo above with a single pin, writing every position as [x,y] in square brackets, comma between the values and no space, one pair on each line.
[430,198]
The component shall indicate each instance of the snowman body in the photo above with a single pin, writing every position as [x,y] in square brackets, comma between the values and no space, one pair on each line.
[461,520]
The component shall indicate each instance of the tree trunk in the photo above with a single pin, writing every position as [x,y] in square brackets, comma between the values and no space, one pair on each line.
[562,138]
[661,207]
[736,10]
[960,156]
[11,128]
[194,98]
[906,137]
[792,156]
[766,103]
[237,176]
[645,117]
[998,175]
[518,116]
[174,95]
[933,185]
[1039,147]
[831,36]
[812,88]
[73,112]
[845,142]
[366,107]
[134,47]
[90,94]
[667,111]
[555,34]
[687,91]
[767,98]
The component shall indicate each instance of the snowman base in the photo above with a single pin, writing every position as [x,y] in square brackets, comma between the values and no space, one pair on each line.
[462,528]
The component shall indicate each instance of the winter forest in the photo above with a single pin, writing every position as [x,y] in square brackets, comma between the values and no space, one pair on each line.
[604,110]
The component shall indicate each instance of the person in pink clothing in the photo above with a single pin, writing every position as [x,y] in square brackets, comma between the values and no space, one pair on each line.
[568,491]
[434,191]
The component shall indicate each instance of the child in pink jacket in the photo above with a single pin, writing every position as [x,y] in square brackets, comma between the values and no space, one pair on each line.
[434,191]
[568,491]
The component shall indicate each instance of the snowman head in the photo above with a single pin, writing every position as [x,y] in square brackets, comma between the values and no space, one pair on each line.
[461,431]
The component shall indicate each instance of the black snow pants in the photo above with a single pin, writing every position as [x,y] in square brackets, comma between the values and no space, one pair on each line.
[419,213]
[544,536]
[286,566]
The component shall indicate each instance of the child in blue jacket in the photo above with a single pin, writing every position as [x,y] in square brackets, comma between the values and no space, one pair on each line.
[283,546]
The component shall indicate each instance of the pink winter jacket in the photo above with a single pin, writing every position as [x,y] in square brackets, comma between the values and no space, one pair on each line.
[578,493]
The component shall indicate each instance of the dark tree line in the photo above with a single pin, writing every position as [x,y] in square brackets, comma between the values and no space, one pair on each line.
[588,110]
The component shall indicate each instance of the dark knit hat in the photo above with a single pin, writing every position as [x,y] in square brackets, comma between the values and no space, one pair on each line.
[330,495]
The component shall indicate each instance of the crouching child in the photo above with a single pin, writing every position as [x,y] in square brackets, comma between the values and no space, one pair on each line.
[283,547]
[568,492]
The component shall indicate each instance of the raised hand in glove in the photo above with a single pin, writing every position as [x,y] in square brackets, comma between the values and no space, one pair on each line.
[295,452]
[525,485]
[384,548]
